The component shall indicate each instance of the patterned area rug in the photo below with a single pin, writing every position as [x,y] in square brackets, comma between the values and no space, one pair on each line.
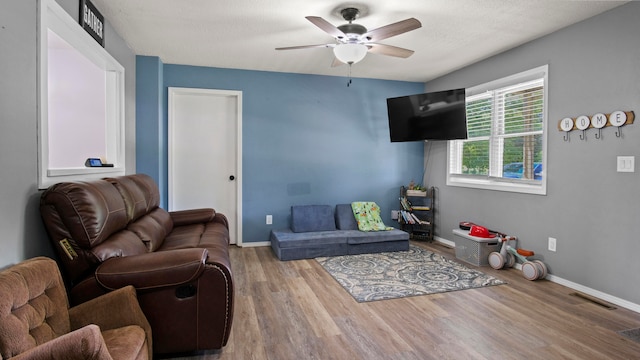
[391,275]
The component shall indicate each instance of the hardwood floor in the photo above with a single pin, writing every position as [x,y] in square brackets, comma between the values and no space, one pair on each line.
[296,310]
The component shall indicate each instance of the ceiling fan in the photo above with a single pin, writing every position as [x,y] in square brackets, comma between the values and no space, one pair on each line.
[353,41]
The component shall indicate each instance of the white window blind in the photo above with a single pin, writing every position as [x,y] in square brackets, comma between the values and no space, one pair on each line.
[505,149]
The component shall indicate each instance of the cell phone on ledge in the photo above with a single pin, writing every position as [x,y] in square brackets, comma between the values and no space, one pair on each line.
[96,162]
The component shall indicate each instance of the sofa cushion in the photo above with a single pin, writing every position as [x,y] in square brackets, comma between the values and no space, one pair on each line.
[197,235]
[152,228]
[149,188]
[378,247]
[122,243]
[132,195]
[288,239]
[308,218]
[344,217]
[87,213]
[362,237]
[128,342]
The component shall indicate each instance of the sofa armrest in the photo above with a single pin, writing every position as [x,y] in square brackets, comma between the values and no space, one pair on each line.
[152,270]
[100,311]
[195,216]
[220,218]
[84,343]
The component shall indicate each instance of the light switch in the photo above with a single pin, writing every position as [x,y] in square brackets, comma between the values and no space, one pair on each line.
[626,163]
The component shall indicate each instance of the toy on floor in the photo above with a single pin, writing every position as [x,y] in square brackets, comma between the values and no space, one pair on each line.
[531,269]
[467,225]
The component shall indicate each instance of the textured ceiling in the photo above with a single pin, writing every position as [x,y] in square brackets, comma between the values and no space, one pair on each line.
[242,34]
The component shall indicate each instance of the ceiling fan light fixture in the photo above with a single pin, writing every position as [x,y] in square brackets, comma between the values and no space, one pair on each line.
[350,53]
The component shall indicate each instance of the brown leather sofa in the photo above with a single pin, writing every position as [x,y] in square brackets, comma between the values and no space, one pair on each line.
[111,233]
[37,323]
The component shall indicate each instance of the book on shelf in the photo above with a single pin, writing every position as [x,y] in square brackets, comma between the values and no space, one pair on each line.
[410,218]
[420,208]
[418,220]
[406,216]
[415,218]
[406,205]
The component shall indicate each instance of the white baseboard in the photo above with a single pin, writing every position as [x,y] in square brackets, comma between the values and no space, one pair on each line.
[255,244]
[445,242]
[570,284]
[592,292]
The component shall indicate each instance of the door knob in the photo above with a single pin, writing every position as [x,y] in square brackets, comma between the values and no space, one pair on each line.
[231,177]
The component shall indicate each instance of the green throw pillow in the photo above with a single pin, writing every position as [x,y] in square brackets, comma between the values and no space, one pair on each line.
[367,214]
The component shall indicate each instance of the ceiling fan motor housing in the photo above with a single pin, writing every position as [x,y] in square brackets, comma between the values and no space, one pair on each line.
[350,13]
[353,31]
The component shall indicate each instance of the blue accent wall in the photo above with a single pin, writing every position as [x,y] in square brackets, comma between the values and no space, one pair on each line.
[307,139]
[151,140]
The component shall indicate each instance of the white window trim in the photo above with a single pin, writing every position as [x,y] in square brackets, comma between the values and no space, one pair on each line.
[53,16]
[501,184]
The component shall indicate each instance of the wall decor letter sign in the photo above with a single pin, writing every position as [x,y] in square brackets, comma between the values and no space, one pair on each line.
[92,21]
[596,121]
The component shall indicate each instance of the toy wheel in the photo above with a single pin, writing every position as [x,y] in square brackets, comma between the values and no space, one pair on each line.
[530,271]
[496,260]
[511,260]
[543,269]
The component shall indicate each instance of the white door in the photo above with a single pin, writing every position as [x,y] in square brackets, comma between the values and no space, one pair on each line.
[205,132]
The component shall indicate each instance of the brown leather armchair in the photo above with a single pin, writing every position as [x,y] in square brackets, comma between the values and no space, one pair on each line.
[37,323]
[111,233]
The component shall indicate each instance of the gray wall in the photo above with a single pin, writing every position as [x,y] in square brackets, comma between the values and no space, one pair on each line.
[21,232]
[592,210]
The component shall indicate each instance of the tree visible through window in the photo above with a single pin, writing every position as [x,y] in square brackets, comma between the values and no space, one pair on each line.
[506,136]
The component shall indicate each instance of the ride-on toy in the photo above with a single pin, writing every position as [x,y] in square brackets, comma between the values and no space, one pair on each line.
[531,269]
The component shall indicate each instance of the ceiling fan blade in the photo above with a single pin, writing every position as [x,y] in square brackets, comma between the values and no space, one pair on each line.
[392,29]
[305,47]
[326,27]
[389,50]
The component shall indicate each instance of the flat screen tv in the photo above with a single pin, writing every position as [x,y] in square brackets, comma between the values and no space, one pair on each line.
[437,115]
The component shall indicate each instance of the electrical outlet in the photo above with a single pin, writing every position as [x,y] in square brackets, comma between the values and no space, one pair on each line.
[395,214]
[269,219]
[552,244]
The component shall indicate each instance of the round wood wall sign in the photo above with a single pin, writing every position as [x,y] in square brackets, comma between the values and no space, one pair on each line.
[582,122]
[566,124]
[618,118]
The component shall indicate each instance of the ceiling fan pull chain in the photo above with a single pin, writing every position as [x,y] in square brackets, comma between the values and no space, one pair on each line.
[350,81]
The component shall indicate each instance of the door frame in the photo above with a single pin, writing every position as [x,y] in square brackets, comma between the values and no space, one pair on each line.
[172,92]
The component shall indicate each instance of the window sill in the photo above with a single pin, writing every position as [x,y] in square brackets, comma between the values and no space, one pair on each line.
[54,176]
[507,186]
[83,170]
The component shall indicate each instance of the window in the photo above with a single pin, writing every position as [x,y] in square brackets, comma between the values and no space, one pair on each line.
[506,145]
[81,96]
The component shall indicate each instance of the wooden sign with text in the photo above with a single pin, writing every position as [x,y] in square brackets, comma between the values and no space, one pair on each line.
[92,21]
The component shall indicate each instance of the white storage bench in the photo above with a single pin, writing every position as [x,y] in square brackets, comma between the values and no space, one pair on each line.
[472,249]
